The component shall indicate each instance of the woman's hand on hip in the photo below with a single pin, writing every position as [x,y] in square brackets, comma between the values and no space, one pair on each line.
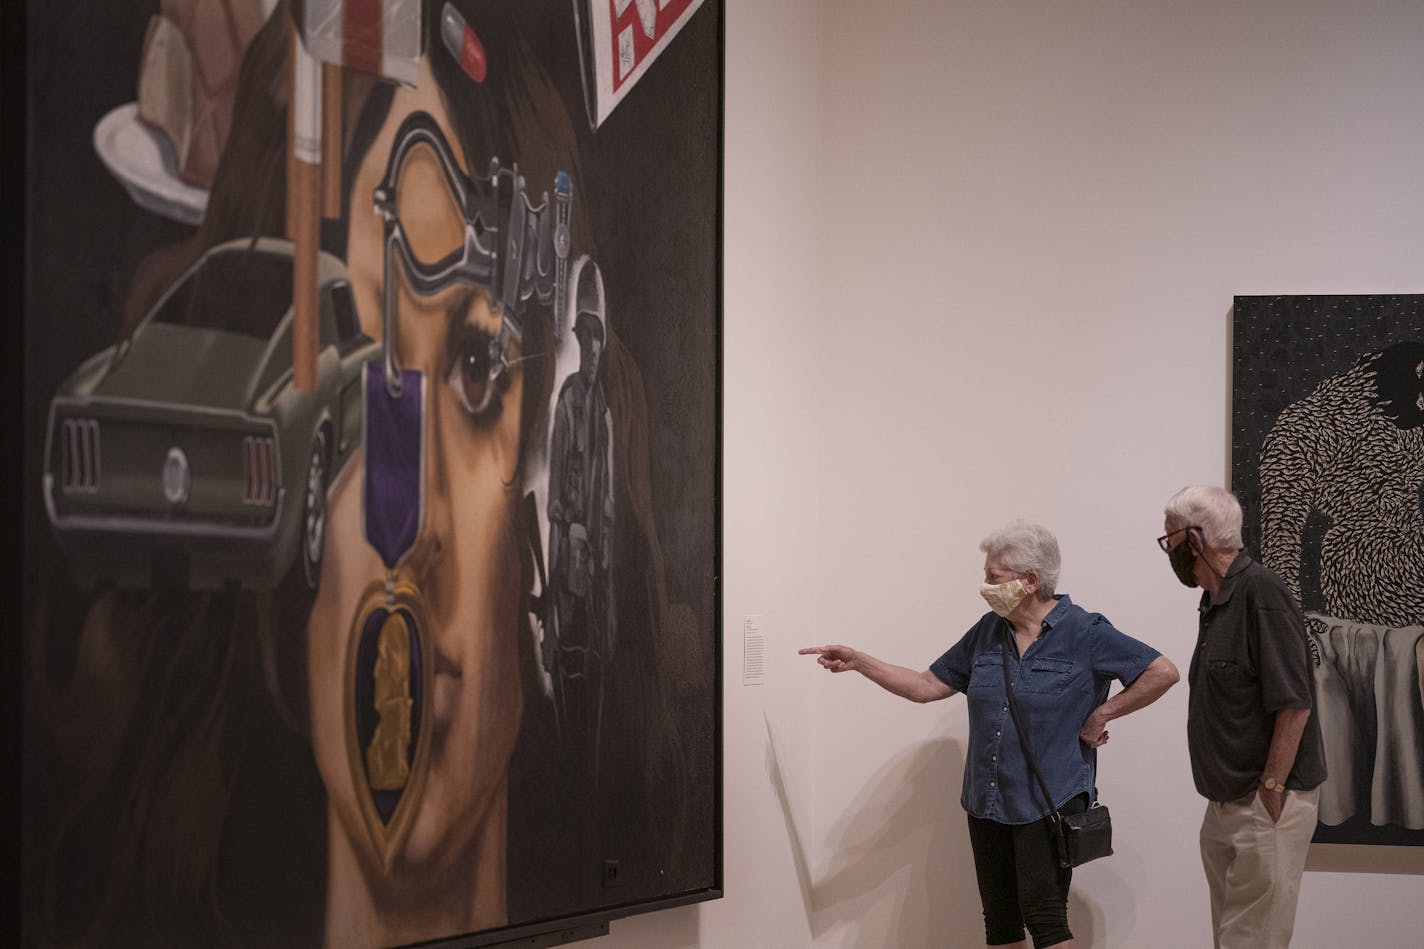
[1094,733]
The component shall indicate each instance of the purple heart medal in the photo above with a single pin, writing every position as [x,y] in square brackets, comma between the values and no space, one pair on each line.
[389,665]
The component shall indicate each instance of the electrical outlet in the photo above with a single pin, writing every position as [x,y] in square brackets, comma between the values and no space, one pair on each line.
[610,873]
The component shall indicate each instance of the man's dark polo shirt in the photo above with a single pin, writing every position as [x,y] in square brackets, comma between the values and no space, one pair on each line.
[1251,661]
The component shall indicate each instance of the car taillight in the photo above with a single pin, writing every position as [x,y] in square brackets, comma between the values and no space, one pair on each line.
[259,461]
[79,455]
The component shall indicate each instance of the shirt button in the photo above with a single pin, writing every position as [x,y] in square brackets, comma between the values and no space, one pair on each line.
[997,734]
[992,784]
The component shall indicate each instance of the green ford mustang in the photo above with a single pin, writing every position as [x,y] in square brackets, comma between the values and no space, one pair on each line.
[185,457]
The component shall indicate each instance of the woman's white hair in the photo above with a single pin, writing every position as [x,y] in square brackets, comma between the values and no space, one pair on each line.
[1025,546]
[1215,510]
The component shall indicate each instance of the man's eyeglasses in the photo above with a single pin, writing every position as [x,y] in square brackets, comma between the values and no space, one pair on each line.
[1163,540]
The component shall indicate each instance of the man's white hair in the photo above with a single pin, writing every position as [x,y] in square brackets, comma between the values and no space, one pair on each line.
[1214,509]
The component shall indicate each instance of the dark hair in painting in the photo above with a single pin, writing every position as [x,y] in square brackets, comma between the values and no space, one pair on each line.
[175,760]
[173,725]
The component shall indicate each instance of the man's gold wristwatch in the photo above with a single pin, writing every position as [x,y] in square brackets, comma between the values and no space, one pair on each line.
[1271,784]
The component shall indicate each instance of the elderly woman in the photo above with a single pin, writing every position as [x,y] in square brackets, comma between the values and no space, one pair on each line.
[1063,659]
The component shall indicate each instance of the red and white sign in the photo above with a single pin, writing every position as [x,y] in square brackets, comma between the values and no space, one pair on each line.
[622,38]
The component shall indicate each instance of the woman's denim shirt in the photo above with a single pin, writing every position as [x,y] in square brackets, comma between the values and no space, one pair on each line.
[1062,677]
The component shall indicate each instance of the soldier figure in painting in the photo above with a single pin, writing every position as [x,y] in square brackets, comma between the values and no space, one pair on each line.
[579,645]
[386,758]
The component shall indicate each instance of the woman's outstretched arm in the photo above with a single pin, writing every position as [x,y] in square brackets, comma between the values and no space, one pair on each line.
[907,683]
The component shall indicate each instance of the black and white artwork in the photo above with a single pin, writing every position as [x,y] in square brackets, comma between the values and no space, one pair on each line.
[1328,461]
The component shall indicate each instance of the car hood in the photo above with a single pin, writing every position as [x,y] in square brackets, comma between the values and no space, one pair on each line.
[176,364]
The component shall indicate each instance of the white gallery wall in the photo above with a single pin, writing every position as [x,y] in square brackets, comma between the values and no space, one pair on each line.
[979,264]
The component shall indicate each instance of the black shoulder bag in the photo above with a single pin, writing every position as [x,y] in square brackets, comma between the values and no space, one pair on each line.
[1078,837]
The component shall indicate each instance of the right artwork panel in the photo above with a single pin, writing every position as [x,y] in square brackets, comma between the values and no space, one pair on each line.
[1327,458]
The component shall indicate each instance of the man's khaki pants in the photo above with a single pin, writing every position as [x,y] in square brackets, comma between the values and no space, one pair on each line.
[1253,868]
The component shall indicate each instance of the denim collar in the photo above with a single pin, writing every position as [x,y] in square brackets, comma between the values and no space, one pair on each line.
[1060,609]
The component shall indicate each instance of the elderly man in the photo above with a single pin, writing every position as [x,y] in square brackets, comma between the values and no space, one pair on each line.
[1254,742]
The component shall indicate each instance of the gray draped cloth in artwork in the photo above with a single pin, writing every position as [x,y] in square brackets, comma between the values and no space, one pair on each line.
[1370,698]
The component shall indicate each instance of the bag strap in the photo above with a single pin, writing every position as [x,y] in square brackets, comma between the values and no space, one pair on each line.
[1023,739]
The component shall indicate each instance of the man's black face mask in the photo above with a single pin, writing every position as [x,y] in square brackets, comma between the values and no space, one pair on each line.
[1184,560]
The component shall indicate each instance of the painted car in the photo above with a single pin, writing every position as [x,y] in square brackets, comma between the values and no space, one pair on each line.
[185,456]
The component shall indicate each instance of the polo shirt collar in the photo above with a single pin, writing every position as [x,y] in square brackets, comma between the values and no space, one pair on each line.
[1228,582]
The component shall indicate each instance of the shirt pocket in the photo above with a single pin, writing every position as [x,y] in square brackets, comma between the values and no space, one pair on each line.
[1226,668]
[988,672]
[1045,675]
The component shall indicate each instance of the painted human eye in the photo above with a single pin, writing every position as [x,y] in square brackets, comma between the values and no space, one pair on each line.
[476,372]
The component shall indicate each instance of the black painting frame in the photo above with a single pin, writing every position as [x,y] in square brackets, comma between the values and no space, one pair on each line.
[1285,349]
[44,360]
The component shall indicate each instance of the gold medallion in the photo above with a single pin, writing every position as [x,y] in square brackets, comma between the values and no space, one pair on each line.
[389,673]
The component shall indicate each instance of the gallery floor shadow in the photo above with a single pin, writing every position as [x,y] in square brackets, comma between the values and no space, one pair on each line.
[906,824]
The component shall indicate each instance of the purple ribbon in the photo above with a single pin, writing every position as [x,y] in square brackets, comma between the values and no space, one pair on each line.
[394,463]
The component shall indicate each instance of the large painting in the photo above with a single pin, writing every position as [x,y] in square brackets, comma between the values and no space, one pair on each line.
[1328,462]
[372,472]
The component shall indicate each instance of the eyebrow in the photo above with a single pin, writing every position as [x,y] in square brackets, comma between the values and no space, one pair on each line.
[458,308]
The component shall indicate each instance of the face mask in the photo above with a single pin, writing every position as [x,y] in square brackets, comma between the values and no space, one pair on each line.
[1183,561]
[1004,597]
